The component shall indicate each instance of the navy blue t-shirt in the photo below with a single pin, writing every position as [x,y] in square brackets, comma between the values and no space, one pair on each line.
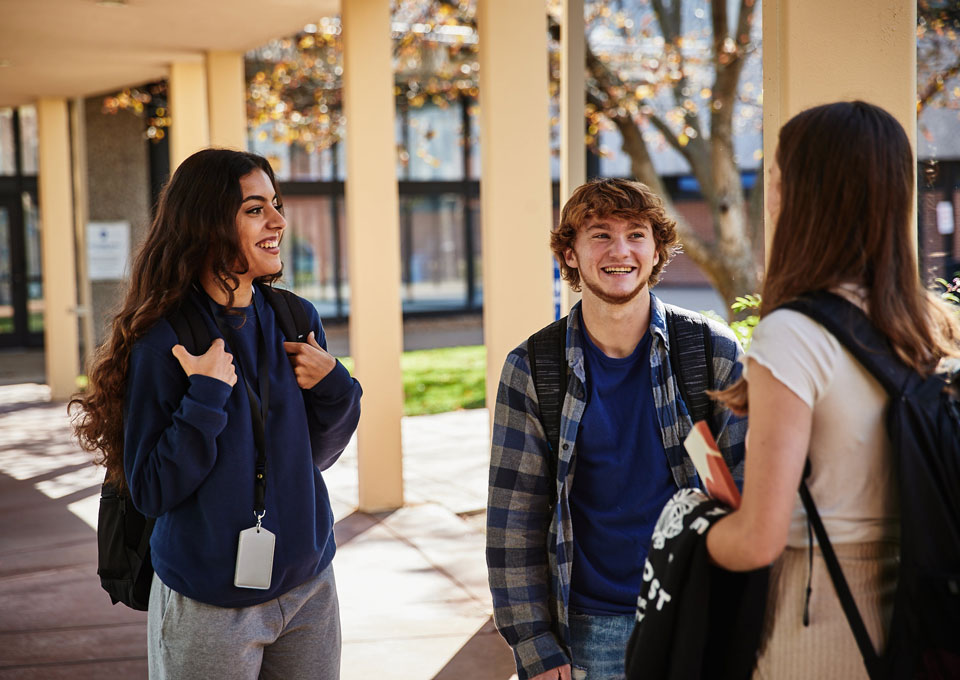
[621,481]
[245,332]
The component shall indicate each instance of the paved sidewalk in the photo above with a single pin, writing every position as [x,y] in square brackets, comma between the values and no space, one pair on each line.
[412,583]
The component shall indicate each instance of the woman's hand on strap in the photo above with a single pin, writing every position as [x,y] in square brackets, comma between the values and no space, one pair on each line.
[311,363]
[216,362]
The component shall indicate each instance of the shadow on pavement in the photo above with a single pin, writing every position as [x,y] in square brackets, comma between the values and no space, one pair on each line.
[485,651]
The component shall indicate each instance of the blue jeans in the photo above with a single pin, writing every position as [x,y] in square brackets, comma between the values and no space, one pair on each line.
[599,645]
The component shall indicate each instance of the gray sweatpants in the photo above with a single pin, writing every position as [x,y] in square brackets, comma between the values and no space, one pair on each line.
[296,635]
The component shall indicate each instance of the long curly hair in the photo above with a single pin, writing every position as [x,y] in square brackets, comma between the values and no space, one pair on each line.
[847,182]
[620,198]
[194,228]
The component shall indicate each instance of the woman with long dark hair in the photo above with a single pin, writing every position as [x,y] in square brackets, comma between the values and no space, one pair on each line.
[841,190]
[179,433]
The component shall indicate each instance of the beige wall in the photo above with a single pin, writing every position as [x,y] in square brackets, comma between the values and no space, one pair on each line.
[515,182]
[61,330]
[373,235]
[819,51]
[226,99]
[573,152]
[189,112]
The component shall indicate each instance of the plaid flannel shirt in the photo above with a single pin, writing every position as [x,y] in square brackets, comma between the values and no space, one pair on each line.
[529,540]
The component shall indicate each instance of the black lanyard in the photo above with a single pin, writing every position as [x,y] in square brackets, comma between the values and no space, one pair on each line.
[257,416]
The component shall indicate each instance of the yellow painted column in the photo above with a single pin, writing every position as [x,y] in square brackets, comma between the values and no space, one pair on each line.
[60,328]
[515,184]
[226,98]
[373,237]
[190,127]
[820,51]
[573,153]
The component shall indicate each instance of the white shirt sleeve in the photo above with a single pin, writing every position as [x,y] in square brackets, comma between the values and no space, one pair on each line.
[798,351]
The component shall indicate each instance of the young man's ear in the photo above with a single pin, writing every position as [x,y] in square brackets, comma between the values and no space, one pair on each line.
[570,257]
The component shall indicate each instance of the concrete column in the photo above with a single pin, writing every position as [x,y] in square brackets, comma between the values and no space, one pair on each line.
[820,51]
[573,153]
[226,97]
[81,200]
[373,233]
[515,184]
[61,334]
[190,127]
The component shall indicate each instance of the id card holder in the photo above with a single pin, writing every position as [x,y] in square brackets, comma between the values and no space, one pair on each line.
[255,558]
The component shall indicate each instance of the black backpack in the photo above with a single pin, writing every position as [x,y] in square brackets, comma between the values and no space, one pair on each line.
[123,533]
[691,358]
[923,423]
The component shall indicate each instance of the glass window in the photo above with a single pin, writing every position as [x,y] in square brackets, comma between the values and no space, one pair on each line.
[308,250]
[477,259]
[473,110]
[8,156]
[293,161]
[433,252]
[31,224]
[6,274]
[555,133]
[436,148]
[28,139]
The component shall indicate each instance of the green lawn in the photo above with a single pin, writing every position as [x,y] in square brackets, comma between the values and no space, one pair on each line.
[439,380]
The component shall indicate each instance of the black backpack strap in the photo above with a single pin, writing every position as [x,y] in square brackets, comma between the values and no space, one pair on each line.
[191,329]
[853,329]
[870,658]
[548,367]
[291,316]
[691,357]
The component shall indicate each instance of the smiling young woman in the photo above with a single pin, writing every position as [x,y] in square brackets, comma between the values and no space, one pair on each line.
[842,187]
[186,448]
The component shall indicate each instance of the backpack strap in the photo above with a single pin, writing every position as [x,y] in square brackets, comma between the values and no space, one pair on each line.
[191,329]
[691,358]
[870,658]
[288,308]
[853,329]
[548,367]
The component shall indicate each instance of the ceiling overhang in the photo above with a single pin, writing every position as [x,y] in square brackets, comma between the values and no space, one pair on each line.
[78,48]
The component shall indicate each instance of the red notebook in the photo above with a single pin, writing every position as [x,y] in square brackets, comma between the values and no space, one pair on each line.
[711,467]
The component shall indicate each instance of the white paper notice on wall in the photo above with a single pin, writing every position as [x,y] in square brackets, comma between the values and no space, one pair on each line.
[945,217]
[108,250]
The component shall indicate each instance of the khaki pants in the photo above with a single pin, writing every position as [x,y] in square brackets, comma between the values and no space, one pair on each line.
[826,648]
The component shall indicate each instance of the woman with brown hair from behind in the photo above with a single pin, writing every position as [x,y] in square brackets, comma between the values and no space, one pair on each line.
[180,433]
[841,191]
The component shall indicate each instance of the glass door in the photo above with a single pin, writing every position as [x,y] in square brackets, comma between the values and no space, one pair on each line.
[21,283]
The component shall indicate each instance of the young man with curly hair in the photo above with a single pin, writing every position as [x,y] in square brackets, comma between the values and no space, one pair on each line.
[566,557]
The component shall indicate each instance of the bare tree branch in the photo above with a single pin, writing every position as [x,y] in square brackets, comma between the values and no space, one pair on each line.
[669,20]
[935,85]
[695,151]
[729,57]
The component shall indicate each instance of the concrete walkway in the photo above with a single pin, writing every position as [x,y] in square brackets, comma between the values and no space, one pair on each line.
[412,583]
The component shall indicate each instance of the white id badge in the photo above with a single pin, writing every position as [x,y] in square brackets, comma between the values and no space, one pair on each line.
[254,558]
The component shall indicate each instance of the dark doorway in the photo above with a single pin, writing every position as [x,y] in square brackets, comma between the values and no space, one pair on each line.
[21,282]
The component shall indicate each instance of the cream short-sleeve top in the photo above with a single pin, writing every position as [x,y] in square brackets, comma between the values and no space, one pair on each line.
[852,477]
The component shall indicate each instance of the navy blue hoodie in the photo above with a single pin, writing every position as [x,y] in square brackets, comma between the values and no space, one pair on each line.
[189,460]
